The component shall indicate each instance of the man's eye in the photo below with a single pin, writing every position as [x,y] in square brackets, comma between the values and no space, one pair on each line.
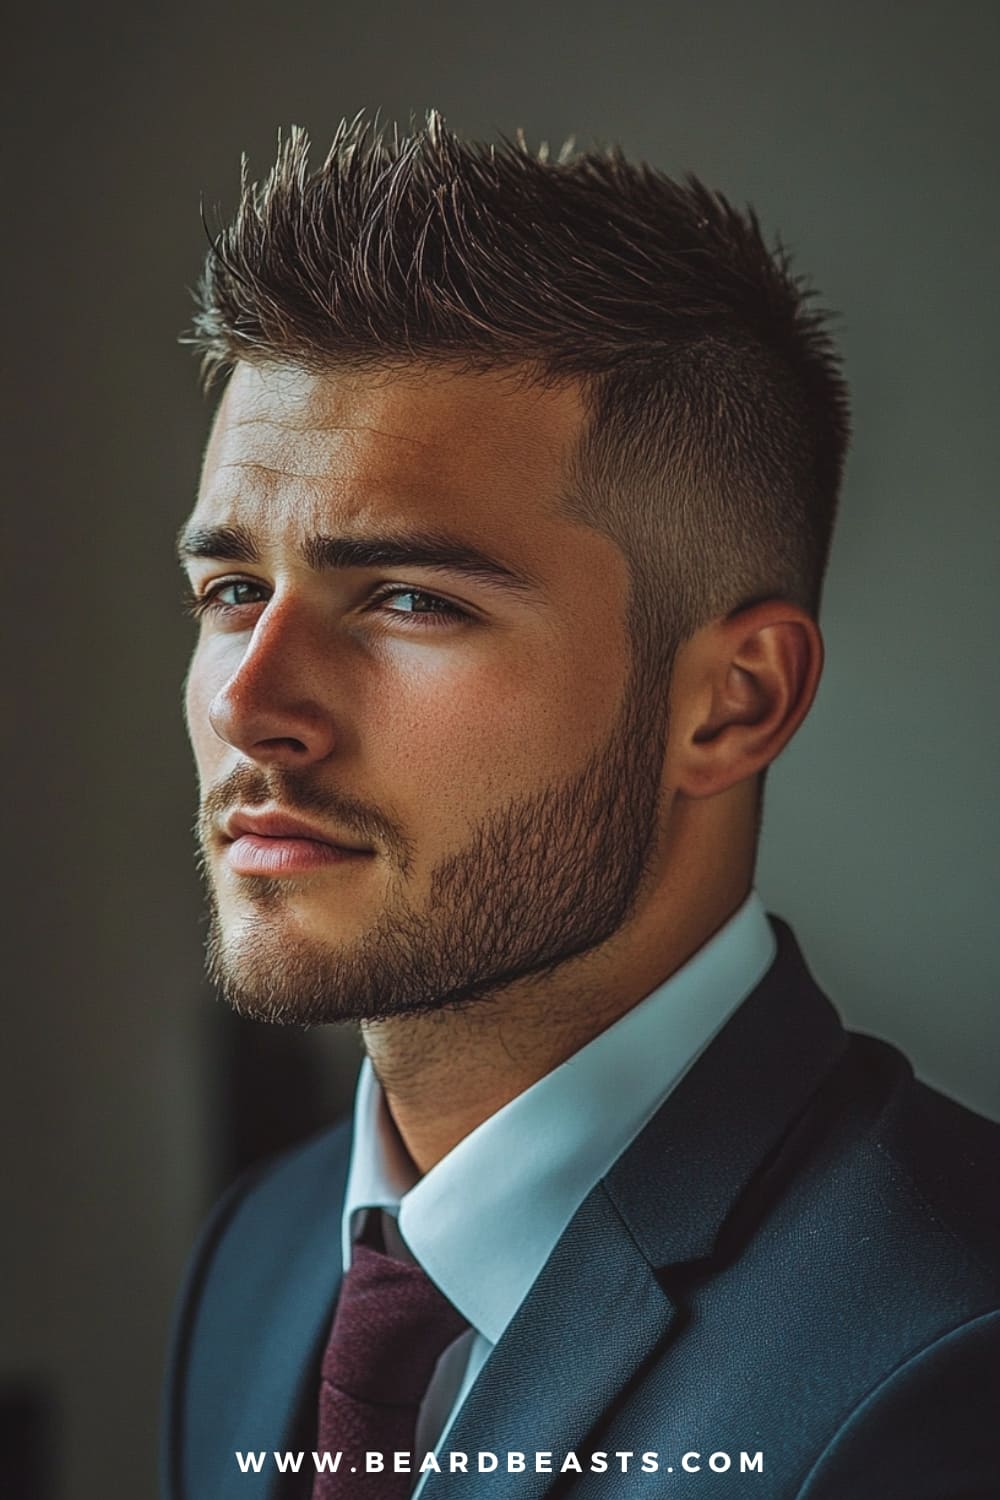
[233,593]
[418,603]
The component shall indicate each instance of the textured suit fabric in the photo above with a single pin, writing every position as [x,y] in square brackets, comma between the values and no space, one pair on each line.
[798,1256]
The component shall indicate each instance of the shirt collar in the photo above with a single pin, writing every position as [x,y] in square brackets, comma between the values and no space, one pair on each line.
[485,1219]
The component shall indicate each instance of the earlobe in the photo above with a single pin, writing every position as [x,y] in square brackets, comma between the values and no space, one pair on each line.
[742,687]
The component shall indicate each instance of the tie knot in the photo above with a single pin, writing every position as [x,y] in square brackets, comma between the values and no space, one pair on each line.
[391,1326]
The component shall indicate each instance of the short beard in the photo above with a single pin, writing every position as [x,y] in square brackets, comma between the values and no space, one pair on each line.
[544,879]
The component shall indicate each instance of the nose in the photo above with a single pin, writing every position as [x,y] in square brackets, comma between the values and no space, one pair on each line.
[273,708]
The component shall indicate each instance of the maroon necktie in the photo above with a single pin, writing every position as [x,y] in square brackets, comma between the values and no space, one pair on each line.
[391,1326]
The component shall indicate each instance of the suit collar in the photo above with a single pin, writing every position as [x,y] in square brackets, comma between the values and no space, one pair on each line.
[713,1133]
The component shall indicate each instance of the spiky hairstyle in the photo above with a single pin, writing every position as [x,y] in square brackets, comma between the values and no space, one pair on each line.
[718,414]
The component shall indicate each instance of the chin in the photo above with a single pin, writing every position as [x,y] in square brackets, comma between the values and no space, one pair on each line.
[273,971]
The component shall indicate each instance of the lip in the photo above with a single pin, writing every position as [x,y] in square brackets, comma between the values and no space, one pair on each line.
[272,844]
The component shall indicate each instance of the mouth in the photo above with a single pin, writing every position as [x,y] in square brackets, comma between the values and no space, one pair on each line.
[276,844]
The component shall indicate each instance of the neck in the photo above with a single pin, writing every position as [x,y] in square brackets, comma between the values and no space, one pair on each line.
[446,1072]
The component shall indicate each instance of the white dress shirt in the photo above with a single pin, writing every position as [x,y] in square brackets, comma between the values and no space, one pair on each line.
[484,1220]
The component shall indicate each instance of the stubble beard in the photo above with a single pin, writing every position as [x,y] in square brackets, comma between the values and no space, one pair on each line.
[543,879]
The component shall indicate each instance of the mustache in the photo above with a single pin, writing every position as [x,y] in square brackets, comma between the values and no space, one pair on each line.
[297,792]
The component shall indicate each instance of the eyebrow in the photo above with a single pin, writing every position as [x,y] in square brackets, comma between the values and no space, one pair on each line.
[221,543]
[398,549]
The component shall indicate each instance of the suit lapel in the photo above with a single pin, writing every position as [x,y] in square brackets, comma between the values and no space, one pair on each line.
[601,1308]
[591,1320]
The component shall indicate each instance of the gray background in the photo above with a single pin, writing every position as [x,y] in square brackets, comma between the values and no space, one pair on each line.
[865,134]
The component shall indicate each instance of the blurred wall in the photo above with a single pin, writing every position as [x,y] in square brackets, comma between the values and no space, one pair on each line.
[866,136]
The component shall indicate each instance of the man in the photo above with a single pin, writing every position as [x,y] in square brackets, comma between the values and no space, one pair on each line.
[508,555]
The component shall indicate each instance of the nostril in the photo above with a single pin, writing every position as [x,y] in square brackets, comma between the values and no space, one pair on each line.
[282,746]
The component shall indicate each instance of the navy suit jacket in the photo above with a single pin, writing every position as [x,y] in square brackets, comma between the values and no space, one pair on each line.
[799,1256]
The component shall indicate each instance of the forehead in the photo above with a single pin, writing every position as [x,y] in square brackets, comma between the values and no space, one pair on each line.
[295,452]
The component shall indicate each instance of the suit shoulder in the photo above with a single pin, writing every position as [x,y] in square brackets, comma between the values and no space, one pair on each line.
[927,1427]
[949,1156]
[885,1190]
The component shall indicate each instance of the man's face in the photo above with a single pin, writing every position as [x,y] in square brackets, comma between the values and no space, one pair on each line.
[425,770]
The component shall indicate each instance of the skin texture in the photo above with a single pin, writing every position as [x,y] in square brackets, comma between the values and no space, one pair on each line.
[546,839]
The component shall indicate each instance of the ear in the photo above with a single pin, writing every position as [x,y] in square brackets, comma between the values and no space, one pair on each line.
[741,686]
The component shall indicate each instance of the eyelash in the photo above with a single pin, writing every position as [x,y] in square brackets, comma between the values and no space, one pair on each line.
[207,603]
[444,613]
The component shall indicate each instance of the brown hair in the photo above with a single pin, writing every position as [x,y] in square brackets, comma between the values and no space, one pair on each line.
[718,414]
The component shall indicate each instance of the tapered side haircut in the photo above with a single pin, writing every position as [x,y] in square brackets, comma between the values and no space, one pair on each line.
[718,416]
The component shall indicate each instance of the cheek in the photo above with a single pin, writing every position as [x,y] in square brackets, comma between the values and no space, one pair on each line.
[486,734]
